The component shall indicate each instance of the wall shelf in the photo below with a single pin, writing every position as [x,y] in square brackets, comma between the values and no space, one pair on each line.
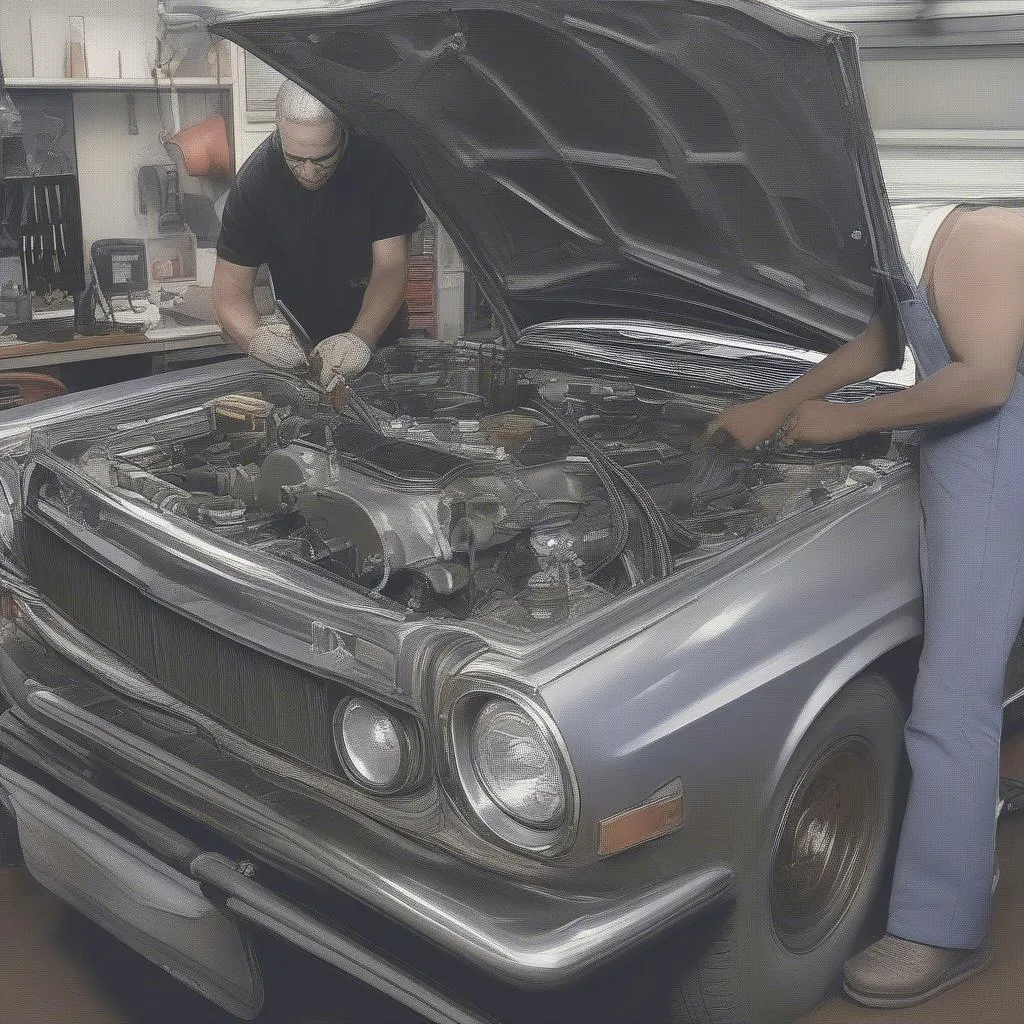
[126,84]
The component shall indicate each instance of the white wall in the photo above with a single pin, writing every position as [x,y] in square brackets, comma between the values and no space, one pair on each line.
[109,156]
[127,24]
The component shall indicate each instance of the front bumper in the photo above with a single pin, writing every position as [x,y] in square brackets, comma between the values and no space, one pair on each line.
[67,727]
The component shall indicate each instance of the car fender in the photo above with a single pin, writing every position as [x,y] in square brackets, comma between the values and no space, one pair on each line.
[886,637]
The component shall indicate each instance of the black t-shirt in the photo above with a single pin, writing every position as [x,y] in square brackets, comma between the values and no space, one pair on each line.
[317,242]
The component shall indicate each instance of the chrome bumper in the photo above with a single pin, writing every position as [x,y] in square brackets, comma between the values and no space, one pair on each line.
[164,915]
[528,936]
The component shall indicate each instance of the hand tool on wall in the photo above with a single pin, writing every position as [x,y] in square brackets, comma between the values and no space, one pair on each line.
[60,214]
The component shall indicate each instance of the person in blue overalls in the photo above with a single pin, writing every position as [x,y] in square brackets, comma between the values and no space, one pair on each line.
[969,402]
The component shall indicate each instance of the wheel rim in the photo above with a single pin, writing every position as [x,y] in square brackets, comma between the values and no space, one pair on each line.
[824,844]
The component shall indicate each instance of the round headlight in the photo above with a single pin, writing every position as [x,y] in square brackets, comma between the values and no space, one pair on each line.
[517,765]
[371,743]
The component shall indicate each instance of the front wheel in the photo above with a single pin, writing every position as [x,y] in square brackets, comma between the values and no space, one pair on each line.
[806,889]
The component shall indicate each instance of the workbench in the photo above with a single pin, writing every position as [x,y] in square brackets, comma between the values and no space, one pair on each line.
[161,343]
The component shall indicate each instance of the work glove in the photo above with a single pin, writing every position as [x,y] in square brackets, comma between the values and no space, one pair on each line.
[274,344]
[342,357]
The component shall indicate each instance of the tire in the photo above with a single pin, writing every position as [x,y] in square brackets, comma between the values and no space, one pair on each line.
[781,947]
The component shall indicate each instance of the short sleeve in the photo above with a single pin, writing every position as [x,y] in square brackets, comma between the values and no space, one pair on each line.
[397,209]
[243,231]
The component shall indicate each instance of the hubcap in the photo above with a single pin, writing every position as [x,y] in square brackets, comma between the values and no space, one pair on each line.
[824,843]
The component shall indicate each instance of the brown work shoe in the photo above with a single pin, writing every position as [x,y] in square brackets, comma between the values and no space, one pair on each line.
[896,972]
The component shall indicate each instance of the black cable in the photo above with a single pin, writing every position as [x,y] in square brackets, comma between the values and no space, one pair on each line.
[662,561]
[617,508]
[655,540]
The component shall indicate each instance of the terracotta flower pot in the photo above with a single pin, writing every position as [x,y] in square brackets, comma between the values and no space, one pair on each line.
[204,147]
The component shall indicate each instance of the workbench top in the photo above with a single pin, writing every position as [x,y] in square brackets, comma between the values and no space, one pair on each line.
[163,338]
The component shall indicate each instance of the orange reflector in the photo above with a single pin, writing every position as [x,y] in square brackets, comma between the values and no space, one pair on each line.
[640,824]
[9,609]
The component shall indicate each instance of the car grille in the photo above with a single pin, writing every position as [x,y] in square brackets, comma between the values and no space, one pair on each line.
[257,696]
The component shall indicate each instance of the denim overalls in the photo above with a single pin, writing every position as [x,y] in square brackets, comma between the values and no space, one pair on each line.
[972,568]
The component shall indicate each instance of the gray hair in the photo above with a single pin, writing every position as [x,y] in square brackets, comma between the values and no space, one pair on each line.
[296,106]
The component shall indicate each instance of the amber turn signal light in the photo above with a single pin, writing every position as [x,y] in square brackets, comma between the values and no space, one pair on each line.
[640,824]
[9,610]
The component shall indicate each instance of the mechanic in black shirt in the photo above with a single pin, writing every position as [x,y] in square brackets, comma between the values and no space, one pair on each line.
[329,212]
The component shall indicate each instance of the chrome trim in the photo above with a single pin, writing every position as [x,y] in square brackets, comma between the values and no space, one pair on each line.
[83,651]
[668,336]
[1012,698]
[260,906]
[457,717]
[574,934]
[138,897]
[253,903]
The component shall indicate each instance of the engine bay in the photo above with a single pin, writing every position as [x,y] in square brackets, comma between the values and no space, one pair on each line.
[521,498]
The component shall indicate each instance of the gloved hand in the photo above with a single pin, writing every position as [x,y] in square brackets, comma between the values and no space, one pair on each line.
[342,356]
[274,344]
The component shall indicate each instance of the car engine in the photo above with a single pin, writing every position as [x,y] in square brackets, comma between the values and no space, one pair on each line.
[523,500]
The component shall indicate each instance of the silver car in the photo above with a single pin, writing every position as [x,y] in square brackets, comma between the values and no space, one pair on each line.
[490,688]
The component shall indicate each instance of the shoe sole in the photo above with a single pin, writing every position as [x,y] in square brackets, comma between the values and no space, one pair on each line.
[898,1002]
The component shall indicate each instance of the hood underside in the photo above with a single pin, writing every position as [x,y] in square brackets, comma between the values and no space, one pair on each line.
[707,163]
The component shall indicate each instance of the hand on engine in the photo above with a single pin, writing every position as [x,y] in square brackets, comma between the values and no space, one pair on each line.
[819,422]
[274,344]
[747,423]
[342,357]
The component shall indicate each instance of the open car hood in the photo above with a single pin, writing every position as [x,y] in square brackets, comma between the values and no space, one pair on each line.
[706,163]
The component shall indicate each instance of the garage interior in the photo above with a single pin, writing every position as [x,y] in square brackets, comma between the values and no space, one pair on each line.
[104,94]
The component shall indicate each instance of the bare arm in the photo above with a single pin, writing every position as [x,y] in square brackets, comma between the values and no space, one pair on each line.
[751,422]
[978,284]
[857,360]
[233,302]
[386,290]
[978,291]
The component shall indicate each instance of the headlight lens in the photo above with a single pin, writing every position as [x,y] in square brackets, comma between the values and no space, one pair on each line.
[517,764]
[371,743]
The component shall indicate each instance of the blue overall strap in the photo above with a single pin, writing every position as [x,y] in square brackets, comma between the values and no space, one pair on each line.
[909,320]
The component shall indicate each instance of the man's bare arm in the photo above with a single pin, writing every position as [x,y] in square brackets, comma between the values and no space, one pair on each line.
[751,422]
[386,290]
[978,291]
[233,301]
[859,359]
[978,282]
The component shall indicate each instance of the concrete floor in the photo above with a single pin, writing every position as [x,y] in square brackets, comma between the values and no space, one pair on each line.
[58,968]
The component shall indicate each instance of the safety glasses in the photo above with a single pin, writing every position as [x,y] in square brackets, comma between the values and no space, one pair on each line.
[314,161]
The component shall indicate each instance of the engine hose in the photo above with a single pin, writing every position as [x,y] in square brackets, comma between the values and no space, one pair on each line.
[362,409]
[661,561]
[616,506]
[379,589]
